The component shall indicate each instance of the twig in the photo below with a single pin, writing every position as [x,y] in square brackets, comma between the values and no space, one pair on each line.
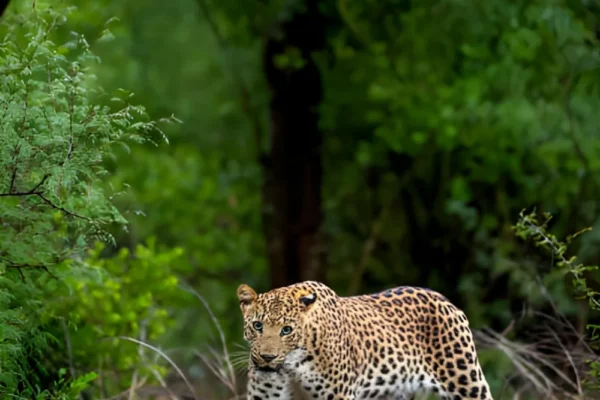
[529,359]
[36,192]
[22,275]
[166,357]
[573,366]
[509,328]
[41,183]
[69,348]
[219,374]
[126,392]
[134,384]
[72,214]
[163,384]
[135,375]
[221,334]
[31,192]
[557,252]
[12,179]
[19,267]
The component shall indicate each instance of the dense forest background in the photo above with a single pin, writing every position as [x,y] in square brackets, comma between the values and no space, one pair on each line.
[156,154]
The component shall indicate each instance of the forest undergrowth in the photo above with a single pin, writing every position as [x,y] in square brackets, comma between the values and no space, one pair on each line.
[83,316]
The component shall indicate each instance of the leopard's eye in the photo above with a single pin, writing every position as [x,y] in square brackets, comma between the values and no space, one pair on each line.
[286,330]
[257,325]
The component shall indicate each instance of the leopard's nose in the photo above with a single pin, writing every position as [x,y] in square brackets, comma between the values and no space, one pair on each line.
[268,357]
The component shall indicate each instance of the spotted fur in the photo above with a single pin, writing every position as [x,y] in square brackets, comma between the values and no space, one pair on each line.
[389,345]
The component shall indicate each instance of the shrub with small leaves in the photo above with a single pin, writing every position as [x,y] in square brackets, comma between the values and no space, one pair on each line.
[53,141]
[120,299]
[529,227]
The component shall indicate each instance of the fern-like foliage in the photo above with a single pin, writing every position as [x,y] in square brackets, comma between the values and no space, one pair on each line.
[530,227]
[56,129]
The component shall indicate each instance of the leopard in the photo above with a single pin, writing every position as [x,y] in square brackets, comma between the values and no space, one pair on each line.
[306,342]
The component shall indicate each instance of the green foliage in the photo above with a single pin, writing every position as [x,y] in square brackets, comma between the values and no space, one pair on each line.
[124,296]
[441,120]
[53,144]
[68,389]
[202,192]
[52,199]
[530,228]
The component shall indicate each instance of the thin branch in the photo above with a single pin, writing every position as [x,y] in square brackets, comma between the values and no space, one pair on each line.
[22,275]
[221,375]
[126,392]
[577,382]
[26,266]
[219,329]
[65,329]
[72,214]
[546,240]
[13,178]
[41,183]
[163,355]
[36,192]
[31,192]
[20,267]
[163,384]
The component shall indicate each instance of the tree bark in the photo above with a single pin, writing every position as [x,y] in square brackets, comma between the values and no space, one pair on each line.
[292,168]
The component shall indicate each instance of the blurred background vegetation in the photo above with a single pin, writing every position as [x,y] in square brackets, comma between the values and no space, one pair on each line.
[156,154]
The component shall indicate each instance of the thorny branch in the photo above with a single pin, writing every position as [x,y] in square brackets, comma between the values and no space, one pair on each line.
[557,252]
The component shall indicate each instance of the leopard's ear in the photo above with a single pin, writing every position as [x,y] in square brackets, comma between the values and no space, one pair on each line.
[246,295]
[307,299]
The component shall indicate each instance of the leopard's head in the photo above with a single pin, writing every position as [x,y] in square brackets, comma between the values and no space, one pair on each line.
[275,323]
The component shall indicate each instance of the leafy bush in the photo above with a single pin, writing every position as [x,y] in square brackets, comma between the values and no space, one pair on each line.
[529,227]
[52,201]
[120,300]
[442,120]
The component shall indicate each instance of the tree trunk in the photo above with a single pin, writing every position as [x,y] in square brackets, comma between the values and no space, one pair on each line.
[292,169]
